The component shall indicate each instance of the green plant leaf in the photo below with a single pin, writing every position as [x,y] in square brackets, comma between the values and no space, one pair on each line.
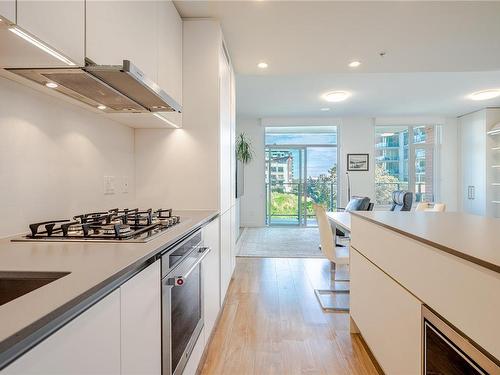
[244,152]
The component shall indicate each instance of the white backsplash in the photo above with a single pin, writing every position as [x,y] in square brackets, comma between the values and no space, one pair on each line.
[53,159]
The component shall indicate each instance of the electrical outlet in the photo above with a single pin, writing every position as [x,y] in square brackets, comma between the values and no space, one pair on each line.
[125,183]
[109,184]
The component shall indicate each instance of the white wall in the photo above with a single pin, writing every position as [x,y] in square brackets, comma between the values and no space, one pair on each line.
[448,165]
[356,137]
[54,156]
[252,203]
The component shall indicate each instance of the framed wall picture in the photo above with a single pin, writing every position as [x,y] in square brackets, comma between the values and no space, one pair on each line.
[357,162]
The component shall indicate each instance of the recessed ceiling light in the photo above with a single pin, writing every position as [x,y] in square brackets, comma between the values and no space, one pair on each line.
[354,64]
[262,65]
[336,96]
[101,107]
[485,95]
[324,109]
[51,85]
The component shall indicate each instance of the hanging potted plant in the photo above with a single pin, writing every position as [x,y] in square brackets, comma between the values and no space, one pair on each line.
[244,155]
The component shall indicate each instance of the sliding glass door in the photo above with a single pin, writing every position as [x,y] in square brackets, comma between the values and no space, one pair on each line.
[285,178]
[299,174]
[320,185]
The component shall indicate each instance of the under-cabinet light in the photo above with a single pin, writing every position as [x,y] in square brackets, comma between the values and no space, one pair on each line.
[41,45]
[165,120]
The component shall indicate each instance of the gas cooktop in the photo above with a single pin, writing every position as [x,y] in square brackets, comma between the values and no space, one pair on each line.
[116,225]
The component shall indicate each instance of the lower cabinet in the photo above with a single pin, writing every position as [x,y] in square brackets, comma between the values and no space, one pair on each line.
[211,275]
[388,316]
[226,263]
[121,334]
[141,322]
[89,344]
[196,354]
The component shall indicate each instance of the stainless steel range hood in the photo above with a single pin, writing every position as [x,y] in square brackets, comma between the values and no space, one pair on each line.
[113,89]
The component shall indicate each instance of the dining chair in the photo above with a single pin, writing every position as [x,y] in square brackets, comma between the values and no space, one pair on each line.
[430,207]
[337,255]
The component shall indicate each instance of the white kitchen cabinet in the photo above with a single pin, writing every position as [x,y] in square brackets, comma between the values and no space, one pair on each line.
[234,236]
[477,159]
[226,269]
[123,30]
[388,316]
[170,55]
[60,24]
[195,357]
[89,344]
[473,161]
[141,322]
[170,50]
[226,170]
[8,10]
[211,275]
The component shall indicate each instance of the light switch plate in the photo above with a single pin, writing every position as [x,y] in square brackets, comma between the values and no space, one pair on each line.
[109,184]
[125,184]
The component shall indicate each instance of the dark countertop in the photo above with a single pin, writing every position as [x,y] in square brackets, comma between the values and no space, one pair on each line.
[470,237]
[93,266]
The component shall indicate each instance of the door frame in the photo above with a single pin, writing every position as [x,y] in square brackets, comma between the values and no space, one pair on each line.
[302,185]
[301,188]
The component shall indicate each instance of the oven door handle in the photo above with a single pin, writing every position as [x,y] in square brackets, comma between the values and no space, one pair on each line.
[183,272]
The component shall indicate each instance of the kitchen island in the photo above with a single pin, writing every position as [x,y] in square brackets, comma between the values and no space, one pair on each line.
[401,262]
[91,272]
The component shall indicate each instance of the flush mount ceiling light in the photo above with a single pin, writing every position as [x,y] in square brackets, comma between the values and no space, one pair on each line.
[485,94]
[354,64]
[41,45]
[324,109]
[51,85]
[262,65]
[102,107]
[336,96]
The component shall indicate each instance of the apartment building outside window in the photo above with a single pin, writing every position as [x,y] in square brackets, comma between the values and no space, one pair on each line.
[404,160]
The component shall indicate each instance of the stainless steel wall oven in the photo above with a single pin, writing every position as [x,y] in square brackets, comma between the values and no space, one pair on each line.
[448,352]
[182,302]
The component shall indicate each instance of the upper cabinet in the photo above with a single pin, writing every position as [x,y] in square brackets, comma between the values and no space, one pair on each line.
[148,33]
[123,30]
[8,10]
[170,50]
[60,24]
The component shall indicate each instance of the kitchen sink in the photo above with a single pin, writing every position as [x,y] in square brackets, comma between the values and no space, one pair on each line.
[14,284]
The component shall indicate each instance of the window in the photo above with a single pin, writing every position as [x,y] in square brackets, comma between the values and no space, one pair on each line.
[301,169]
[404,165]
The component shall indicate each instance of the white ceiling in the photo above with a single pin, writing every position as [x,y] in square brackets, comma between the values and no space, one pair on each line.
[308,44]
[373,94]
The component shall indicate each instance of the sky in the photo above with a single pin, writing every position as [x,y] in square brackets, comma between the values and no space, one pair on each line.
[319,159]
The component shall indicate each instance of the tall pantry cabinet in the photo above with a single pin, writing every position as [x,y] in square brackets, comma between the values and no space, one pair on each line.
[194,167]
[480,163]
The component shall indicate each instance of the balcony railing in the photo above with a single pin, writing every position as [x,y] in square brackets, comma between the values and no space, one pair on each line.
[291,202]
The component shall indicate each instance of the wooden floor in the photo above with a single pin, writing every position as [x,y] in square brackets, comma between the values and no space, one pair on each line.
[272,324]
